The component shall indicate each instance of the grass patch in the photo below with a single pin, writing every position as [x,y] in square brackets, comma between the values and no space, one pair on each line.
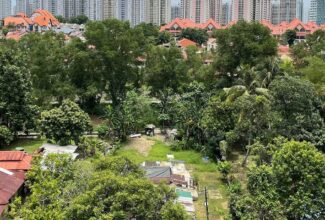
[29,145]
[205,172]
[132,154]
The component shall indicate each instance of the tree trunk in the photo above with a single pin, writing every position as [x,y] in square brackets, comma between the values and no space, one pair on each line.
[247,154]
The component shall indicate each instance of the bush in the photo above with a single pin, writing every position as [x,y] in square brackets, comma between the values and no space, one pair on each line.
[102,131]
[235,187]
[90,147]
[178,145]
[6,136]
[224,168]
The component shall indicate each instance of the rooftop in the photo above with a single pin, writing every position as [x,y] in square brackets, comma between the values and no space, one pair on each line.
[39,17]
[56,149]
[176,25]
[9,185]
[158,174]
[186,43]
[15,160]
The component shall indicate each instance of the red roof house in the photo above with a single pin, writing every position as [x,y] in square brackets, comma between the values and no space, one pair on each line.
[15,160]
[303,29]
[184,43]
[40,20]
[177,25]
[9,186]
[210,25]
[44,18]
[17,20]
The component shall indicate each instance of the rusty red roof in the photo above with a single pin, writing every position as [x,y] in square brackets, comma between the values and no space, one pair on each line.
[9,185]
[11,155]
[15,160]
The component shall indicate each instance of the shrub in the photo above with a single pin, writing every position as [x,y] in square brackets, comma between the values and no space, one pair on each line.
[102,131]
[6,135]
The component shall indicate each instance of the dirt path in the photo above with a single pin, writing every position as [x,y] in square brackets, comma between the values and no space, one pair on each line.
[142,145]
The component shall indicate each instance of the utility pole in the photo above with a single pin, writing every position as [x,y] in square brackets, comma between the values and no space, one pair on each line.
[206,202]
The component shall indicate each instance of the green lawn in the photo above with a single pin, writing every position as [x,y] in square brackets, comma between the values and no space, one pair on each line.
[206,174]
[29,145]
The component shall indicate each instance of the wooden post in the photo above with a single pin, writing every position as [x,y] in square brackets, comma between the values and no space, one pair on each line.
[206,202]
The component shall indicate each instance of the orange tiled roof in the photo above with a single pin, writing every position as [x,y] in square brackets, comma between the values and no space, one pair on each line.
[40,17]
[178,24]
[15,35]
[17,20]
[15,160]
[44,18]
[186,43]
[188,23]
[210,24]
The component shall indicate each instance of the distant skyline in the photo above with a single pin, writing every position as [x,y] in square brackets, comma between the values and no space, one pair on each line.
[306,6]
[306,9]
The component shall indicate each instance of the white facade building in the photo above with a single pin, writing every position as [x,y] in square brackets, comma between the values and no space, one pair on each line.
[5,8]
[94,9]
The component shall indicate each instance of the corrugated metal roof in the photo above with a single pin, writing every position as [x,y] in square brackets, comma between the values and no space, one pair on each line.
[9,185]
[157,172]
[56,149]
[11,155]
[15,160]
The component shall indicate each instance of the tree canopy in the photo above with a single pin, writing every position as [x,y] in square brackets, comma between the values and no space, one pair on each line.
[108,188]
[283,190]
[65,124]
[16,110]
[243,44]
[197,35]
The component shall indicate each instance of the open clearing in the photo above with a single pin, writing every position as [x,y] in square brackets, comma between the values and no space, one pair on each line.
[142,145]
[206,173]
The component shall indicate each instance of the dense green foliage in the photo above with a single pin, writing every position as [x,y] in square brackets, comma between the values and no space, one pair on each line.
[80,19]
[6,135]
[282,189]
[107,188]
[132,115]
[16,110]
[65,124]
[243,44]
[199,36]
[290,37]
